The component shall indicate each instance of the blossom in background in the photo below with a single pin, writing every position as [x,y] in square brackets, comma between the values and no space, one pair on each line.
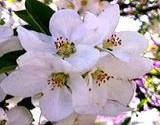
[49,75]
[94,6]
[68,42]
[8,42]
[15,116]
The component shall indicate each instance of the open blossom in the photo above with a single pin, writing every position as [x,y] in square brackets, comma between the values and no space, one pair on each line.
[49,75]
[125,47]
[94,6]
[107,94]
[15,116]
[69,42]
[8,42]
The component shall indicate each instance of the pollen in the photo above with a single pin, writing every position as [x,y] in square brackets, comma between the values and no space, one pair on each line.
[59,80]
[64,47]
[70,5]
[84,2]
[100,77]
[112,42]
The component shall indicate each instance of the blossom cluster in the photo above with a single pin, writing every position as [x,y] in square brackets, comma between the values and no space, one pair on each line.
[83,69]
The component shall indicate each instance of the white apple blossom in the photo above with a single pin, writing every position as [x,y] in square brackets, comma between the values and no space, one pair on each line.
[47,74]
[69,40]
[126,47]
[8,42]
[106,94]
[15,116]
[94,6]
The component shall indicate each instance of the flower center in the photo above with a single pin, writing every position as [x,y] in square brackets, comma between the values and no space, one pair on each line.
[84,2]
[100,76]
[64,47]
[114,41]
[3,122]
[70,5]
[58,80]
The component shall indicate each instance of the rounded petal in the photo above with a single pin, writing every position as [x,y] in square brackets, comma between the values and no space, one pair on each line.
[6,32]
[78,119]
[19,116]
[56,104]
[87,97]
[12,44]
[134,68]
[25,82]
[63,22]
[33,42]
[84,58]
[104,24]
[121,91]
[133,42]
[113,108]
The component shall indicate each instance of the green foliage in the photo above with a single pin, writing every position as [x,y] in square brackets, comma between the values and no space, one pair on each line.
[8,61]
[126,121]
[37,15]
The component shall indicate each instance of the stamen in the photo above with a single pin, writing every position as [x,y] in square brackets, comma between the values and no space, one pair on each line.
[64,47]
[84,3]
[114,41]
[58,80]
[100,77]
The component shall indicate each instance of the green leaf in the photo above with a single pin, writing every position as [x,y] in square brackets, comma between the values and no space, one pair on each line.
[40,14]
[8,61]
[126,121]
[25,16]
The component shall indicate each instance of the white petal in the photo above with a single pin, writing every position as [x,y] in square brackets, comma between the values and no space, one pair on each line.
[110,18]
[63,22]
[78,119]
[6,32]
[105,23]
[113,108]
[19,116]
[121,91]
[87,99]
[134,68]
[57,104]
[12,44]
[133,42]
[33,42]
[84,58]
[25,82]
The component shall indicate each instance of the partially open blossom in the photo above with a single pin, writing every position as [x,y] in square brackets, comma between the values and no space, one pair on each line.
[15,116]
